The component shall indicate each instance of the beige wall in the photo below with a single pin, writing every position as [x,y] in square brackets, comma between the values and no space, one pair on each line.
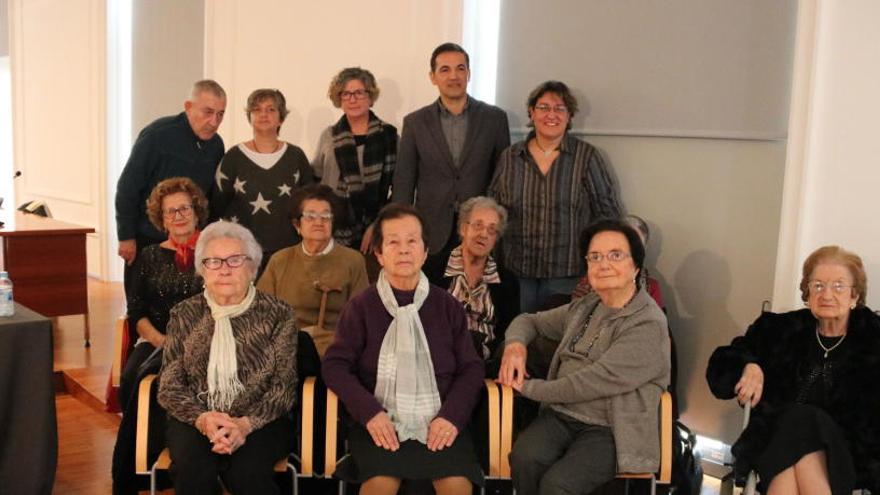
[57,51]
[298,47]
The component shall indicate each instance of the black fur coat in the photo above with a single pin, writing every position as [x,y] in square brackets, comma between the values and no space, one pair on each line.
[778,344]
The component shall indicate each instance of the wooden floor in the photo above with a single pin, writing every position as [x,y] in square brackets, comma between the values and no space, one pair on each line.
[86,434]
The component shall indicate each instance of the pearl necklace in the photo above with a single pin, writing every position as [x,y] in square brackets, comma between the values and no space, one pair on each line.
[828,349]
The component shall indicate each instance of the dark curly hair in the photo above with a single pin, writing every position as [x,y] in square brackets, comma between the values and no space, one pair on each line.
[172,186]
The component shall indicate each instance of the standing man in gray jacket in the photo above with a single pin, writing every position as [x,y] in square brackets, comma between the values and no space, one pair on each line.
[447,153]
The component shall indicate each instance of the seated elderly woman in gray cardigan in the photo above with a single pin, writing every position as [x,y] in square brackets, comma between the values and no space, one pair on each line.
[600,398]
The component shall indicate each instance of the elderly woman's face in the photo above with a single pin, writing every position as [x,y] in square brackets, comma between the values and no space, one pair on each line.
[480,232]
[831,292]
[550,116]
[227,284]
[355,99]
[403,251]
[616,269]
[178,215]
[265,116]
[316,223]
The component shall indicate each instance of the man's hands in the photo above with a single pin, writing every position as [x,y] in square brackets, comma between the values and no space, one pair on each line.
[227,434]
[513,366]
[128,250]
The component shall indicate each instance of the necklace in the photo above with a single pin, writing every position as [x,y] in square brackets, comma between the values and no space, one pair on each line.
[545,152]
[257,148]
[828,349]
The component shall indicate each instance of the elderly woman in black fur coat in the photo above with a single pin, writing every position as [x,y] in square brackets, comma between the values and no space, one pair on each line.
[813,378]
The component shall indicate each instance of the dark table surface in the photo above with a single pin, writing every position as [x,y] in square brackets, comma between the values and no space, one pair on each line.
[28,426]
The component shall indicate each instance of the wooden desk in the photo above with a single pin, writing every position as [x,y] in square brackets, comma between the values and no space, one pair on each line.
[46,260]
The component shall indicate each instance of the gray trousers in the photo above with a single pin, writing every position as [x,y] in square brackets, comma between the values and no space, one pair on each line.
[559,455]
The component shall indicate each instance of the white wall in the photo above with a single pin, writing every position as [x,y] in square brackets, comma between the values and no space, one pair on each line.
[57,51]
[832,180]
[298,47]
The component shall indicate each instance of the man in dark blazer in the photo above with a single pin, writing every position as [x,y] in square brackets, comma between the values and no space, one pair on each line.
[447,153]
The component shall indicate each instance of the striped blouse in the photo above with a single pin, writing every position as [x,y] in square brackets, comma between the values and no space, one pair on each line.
[548,212]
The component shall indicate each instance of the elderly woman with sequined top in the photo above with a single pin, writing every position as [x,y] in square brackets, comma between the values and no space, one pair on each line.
[600,397]
[228,379]
[488,292]
[813,379]
[404,366]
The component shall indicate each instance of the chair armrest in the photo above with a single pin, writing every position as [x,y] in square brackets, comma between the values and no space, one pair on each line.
[665,474]
[118,351]
[143,423]
[494,405]
[308,421]
[330,434]
[506,430]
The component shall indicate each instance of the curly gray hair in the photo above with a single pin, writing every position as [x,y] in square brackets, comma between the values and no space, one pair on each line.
[222,229]
[478,203]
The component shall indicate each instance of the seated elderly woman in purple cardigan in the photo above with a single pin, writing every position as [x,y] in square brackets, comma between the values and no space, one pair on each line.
[404,365]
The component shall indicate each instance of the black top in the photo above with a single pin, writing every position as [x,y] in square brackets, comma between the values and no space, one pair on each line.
[158,286]
[166,148]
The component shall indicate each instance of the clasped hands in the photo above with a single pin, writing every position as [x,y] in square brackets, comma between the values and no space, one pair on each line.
[441,433]
[226,433]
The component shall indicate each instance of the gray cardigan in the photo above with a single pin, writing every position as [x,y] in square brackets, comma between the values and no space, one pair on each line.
[627,370]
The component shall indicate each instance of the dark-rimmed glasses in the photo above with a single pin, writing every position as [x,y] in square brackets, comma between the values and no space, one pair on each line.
[234,261]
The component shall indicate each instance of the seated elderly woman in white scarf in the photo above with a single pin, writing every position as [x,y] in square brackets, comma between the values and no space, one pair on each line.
[228,379]
[404,365]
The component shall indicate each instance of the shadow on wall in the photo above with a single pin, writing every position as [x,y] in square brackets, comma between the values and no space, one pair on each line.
[703,284]
[319,118]
[389,106]
[292,128]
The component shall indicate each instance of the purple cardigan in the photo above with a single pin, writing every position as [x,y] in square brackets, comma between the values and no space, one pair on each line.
[350,364]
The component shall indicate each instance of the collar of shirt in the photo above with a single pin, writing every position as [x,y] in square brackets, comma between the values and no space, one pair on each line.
[444,111]
[322,253]
[455,267]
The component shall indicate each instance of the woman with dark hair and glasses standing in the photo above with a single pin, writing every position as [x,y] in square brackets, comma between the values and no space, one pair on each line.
[606,377]
[317,276]
[256,179]
[553,185]
[356,157]
[228,379]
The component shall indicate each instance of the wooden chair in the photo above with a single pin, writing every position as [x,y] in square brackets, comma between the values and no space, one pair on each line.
[163,462]
[120,355]
[662,477]
[331,436]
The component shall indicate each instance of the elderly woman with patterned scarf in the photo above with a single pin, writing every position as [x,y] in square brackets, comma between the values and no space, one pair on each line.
[356,155]
[404,366]
[228,379]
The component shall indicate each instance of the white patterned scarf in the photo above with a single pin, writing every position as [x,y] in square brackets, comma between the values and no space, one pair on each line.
[223,383]
[405,382]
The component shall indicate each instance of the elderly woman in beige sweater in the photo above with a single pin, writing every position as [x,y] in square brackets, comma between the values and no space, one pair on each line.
[600,398]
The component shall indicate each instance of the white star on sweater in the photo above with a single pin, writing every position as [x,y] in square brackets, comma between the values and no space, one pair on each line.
[260,204]
[285,189]
[239,185]
[233,218]
[296,177]
[219,176]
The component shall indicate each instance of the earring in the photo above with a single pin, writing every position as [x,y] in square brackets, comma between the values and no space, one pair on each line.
[853,306]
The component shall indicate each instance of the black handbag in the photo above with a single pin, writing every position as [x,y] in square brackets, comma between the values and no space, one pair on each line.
[687,471]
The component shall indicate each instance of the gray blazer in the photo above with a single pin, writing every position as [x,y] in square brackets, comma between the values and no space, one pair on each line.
[426,175]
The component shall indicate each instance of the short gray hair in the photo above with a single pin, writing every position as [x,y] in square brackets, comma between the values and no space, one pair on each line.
[221,229]
[480,202]
[207,86]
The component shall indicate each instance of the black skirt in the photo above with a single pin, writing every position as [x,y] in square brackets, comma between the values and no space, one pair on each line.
[412,461]
[801,430]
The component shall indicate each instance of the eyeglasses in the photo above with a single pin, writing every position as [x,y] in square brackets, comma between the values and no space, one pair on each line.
[612,256]
[234,261]
[818,287]
[545,108]
[358,94]
[314,216]
[171,213]
[491,229]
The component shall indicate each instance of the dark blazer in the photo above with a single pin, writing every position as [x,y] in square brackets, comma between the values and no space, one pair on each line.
[425,174]
[777,343]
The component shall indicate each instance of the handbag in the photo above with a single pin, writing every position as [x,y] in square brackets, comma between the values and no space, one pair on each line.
[687,471]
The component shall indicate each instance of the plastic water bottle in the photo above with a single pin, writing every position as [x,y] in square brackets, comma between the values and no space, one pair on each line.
[7,307]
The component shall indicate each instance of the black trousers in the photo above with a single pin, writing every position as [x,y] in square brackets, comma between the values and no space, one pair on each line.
[248,470]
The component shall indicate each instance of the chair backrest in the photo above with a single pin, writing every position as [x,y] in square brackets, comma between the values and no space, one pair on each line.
[119,349]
